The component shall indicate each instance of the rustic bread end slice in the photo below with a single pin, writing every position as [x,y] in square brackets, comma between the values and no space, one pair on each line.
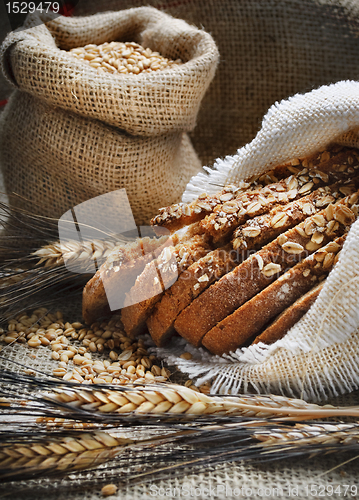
[94,300]
[288,318]
[124,263]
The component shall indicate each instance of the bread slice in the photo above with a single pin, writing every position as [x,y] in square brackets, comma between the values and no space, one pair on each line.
[189,285]
[153,281]
[288,318]
[94,300]
[262,268]
[249,319]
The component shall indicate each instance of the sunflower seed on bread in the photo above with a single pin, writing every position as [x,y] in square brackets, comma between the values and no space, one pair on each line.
[258,231]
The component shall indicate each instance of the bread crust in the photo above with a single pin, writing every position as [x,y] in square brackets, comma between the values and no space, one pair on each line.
[177,216]
[288,318]
[249,319]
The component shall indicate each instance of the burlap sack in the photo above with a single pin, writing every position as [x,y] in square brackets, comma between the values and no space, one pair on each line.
[72,133]
[319,356]
[269,50]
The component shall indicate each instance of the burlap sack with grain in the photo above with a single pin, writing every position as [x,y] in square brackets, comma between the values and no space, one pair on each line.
[70,133]
[269,50]
[319,356]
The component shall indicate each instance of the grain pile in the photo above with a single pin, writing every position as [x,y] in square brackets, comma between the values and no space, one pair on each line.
[119,57]
[97,354]
[51,330]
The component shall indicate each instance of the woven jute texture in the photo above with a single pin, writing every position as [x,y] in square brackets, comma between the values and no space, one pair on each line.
[285,478]
[269,50]
[56,159]
[71,133]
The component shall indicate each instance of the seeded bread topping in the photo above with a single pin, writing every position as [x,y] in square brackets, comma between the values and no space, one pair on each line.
[221,218]
[261,229]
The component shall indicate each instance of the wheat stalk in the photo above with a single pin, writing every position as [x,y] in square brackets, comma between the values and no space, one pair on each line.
[25,281]
[188,448]
[237,437]
[34,455]
[180,400]
[310,434]
[158,399]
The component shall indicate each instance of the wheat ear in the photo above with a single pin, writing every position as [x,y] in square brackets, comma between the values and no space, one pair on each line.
[110,402]
[310,435]
[56,254]
[180,400]
[233,441]
[61,454]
